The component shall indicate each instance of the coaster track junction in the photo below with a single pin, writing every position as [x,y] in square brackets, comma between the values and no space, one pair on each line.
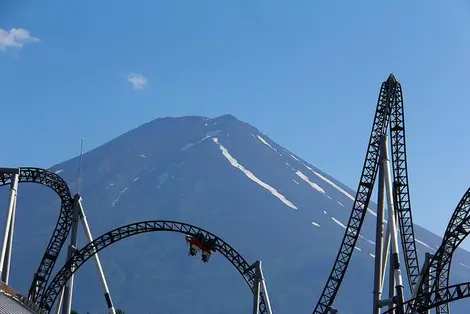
[429,287]
[43,294]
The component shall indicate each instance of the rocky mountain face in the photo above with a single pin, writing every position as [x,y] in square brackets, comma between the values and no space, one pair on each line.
[227,177]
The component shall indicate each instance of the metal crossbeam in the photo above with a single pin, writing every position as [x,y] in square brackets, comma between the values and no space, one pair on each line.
[62,228]
[79,258]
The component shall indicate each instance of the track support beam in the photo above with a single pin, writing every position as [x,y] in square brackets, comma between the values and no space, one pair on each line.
[379,256]
[385,192]
[104,284]
[65,300]
[61,299]
[260,290]
[395,257]
[68,290]
[5,257]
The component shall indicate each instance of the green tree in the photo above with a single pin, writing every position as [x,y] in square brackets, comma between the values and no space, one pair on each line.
[73,312]
[119,311]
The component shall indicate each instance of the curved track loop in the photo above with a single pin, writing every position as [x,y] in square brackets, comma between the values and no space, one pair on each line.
[64,223]
[439,267]
[363,195]
[111,237]
[434,299]
[401,187]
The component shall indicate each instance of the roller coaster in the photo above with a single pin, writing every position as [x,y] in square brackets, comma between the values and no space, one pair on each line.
[427,284]
[43,295]
[429,287]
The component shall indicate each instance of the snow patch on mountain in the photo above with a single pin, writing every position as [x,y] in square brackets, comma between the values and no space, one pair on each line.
[338,222]
[294,157]
[339,189]
[267,144]
[116,200]
[208,135]
[313,185]
[423,243]
[189,145]
[315,224]
[251,176]
[162,178]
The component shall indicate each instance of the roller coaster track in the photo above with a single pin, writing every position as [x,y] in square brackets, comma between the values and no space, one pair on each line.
[80,257]
[62,228]
[389,109]
[401,187]
[439,267]
[428,301]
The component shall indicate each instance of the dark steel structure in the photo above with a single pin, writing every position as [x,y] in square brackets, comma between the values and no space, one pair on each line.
[49,296]
[429,286]
[434,292]
[62,228]
[435,299]
[40,293]
[439,266]
[389,111]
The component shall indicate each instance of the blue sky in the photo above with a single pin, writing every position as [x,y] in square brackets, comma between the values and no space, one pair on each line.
[307,73]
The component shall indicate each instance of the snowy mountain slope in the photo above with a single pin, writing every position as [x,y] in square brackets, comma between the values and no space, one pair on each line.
[227,177]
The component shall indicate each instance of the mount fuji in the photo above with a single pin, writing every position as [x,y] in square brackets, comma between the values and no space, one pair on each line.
[227,177]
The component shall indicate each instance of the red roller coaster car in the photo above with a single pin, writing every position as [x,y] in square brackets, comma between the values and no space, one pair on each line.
[199,243]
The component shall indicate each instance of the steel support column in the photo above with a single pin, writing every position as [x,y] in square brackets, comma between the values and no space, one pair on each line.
[392,224]
[379,240]
[264,289]
[68,290]
[6,266]
[5,256]
[104,284]
[59,304]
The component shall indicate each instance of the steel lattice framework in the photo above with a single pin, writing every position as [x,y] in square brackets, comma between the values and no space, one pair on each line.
[389,110]
[80,257]
[389,115]
[401,186]
[428,301]
[62,228]
[457,230]
[439,267]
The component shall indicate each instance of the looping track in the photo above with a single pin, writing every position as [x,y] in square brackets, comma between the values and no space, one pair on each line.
[80,257]
[63,226]
[389,110]
[437,298]
[439,267]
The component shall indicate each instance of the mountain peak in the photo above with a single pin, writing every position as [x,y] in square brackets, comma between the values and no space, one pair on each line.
[222,175]
[226,117]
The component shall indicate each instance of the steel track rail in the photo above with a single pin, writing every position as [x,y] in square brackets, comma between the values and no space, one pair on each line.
[401,188]
[80,257]
[363,195]
[434,299]
[439,267]
[461,215]
[62,228]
